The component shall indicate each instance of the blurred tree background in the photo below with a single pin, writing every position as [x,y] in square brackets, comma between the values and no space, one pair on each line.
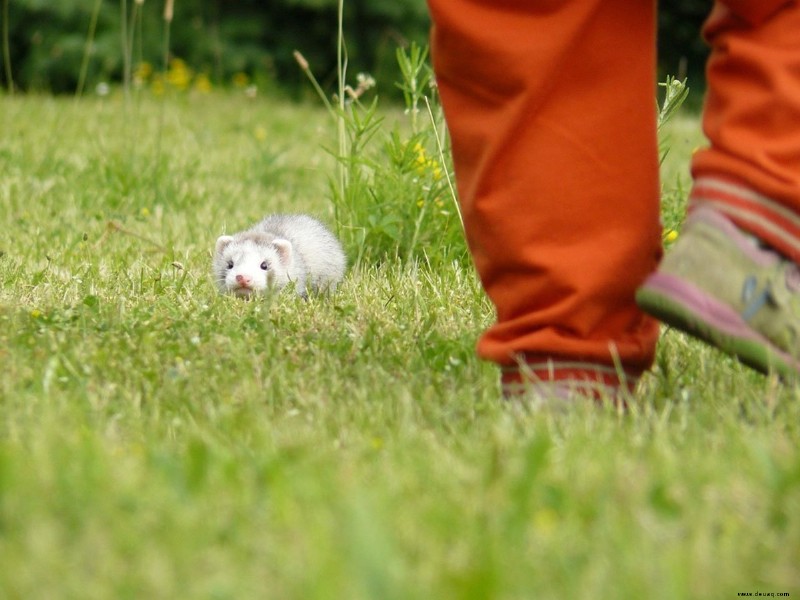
[231,41]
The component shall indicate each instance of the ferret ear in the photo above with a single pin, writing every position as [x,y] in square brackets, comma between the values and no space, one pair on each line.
[222,242]
[284,249]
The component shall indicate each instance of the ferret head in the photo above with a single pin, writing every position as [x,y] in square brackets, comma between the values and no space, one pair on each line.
[251,263]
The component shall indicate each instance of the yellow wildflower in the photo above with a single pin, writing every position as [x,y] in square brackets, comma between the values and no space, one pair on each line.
[179,74]
[424,163]
[202,83]
[143,72]
[158,85]
[177,64]
[240,79]
[436,170]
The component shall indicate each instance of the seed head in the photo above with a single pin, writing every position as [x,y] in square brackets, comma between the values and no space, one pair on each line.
[301,60]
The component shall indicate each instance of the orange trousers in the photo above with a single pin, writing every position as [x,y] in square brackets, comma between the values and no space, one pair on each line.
[551,111]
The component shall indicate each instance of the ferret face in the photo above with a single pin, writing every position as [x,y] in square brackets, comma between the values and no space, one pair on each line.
[244,267]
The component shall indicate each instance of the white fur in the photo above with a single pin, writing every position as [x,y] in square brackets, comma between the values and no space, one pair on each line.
[294,248]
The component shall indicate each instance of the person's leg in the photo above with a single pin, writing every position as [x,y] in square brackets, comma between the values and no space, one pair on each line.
[751,170]
[731,278]
[551,115]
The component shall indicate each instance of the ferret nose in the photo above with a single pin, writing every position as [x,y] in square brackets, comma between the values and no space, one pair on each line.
[243,280]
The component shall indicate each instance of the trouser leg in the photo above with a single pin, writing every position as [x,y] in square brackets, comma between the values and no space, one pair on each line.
[751,170]
[551,114]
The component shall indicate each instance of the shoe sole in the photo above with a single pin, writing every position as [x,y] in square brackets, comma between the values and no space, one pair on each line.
[682,305]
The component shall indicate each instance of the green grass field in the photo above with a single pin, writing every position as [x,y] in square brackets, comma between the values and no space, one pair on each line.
[158,440]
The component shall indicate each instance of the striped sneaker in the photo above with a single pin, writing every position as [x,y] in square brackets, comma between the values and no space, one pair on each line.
[721,285]
[548,383]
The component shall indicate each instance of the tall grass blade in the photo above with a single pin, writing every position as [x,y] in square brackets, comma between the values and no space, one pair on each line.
[7,50]
[87,51]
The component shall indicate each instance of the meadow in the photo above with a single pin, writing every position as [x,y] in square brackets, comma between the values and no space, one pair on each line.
[158,440]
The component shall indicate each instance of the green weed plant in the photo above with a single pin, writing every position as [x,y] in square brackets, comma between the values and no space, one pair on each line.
[394,197]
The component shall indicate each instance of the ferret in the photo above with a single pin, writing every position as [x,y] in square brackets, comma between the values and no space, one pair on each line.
[279,250]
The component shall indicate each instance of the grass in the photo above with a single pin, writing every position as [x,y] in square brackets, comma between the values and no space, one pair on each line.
[158,440]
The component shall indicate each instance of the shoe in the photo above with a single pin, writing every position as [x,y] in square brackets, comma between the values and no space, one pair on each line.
[557,385]
[721,285]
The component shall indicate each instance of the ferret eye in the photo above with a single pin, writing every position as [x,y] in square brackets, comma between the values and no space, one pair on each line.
[264,266]
[230,264]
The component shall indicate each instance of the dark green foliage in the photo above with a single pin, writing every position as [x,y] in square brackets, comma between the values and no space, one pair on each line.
[681,50]
[48,40]
[218,37]
[393,197]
